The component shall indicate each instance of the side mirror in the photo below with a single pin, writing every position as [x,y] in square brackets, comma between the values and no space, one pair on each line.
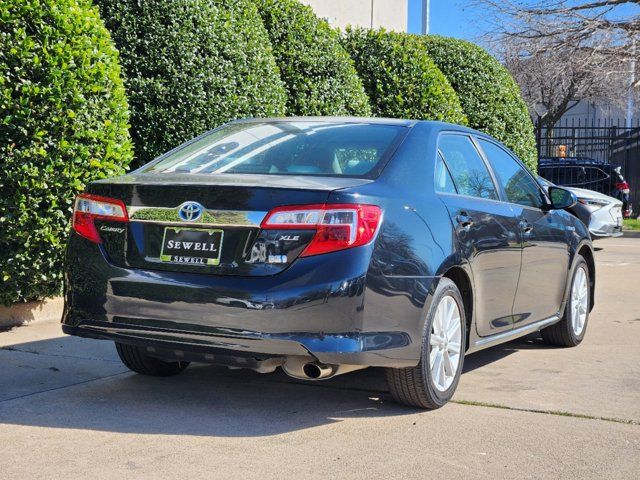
[561,198]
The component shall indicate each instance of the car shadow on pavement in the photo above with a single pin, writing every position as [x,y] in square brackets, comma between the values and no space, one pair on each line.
[47,386]
[74,383]
[499,352]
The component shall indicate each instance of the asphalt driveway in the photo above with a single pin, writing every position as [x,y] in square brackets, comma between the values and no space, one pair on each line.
[68,408]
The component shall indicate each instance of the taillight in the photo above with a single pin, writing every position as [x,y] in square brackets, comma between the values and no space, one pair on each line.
[622,185]
[89,208]
[337,226]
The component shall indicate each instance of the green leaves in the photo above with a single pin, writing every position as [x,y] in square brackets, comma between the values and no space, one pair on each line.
[191,65]
[400,78]
[317,72]
[62,109]
[488,94]
[438,78]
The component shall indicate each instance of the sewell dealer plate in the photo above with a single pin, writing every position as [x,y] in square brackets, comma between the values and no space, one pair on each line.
[191,246]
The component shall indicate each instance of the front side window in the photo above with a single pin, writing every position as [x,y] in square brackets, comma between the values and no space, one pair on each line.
[287,148]
[518,185]
[467,169]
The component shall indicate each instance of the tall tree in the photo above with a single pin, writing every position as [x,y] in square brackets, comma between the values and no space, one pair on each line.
[564,51]
[553,83]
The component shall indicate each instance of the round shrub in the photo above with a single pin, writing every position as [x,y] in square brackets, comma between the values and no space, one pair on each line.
[63,123]
[489,96]
[400,78]
[318,74]
[191,65]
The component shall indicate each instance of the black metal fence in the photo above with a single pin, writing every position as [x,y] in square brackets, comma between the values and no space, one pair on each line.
[607,141]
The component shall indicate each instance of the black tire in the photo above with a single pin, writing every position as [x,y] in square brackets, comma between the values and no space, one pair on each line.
[562,334]
[414,386]
[134,359]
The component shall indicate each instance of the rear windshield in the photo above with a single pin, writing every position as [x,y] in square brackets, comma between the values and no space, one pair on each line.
[287,148]
[574,175]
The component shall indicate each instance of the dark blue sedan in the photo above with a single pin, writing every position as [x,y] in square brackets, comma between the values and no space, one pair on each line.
[327,245]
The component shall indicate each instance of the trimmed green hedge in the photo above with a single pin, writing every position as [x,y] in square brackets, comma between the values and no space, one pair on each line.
[400,78]
[319,75]
[63,123]
[191,65]
[489,96]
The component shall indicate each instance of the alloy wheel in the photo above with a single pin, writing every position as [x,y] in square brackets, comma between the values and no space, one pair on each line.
[579,301]
[445,343]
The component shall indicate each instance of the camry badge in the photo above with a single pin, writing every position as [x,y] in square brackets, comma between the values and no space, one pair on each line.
[190,211]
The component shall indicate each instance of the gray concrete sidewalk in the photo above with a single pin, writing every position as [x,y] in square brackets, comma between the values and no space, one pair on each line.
[69,408]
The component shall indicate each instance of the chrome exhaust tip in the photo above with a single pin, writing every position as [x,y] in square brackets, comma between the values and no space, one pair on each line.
[316,371]
[303,369]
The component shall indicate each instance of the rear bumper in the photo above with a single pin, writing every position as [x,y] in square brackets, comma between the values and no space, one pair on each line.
[334,349]
[315,308]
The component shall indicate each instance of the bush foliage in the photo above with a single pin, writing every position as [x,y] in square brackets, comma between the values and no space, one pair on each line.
[191,65]
[188,66]
[318,73]
[489,96]
[400,78]
[63,123]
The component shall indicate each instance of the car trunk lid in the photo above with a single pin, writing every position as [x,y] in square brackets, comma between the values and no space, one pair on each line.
[226,238]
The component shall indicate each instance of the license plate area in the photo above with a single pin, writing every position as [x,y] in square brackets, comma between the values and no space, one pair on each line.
[191,246]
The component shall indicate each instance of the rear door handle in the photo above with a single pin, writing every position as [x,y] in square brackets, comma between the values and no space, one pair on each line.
[526,226]
[464,220]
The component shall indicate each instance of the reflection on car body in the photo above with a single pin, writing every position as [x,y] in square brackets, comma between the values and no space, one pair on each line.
[336,244]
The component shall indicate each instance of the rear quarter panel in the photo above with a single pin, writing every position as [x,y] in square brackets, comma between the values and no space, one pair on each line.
[416,242]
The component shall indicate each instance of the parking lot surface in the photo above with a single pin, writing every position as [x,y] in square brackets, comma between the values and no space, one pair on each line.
[68,408]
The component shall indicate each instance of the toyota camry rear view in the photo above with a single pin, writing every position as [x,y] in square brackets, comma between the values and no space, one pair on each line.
[326,245]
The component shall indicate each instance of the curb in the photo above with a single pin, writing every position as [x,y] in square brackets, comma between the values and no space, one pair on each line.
[631,233]
[30,312]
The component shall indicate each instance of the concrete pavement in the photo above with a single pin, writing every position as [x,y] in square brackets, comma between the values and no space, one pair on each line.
[601,377]
[68,408]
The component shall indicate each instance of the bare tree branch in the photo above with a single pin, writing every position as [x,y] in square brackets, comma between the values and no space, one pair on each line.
[577,8]
[608,26]
[563,51]
[553,83]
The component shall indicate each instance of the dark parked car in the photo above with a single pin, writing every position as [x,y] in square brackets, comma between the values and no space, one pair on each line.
[590,174]
[323,246]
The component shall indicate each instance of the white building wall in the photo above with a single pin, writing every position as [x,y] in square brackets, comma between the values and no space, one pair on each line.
[591,112]
[390,14]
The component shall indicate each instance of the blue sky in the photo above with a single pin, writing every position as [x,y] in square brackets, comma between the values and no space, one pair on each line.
[448,17]
[456,18]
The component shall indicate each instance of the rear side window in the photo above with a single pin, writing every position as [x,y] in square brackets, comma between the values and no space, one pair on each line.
[518,185]
[596,175]
[443,181]
[467,168]
[287,148]
[575,175]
